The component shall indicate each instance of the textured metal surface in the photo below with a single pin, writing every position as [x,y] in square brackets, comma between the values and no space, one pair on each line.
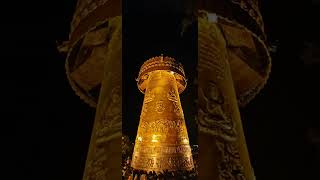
[162,141]
[245,12]
[161,63]
[88,46]
[223,154]
[248,56]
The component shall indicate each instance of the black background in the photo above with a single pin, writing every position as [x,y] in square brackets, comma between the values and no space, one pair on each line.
[46,127]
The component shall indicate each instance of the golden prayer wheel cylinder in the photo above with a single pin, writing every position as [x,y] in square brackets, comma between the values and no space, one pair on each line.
[162,141]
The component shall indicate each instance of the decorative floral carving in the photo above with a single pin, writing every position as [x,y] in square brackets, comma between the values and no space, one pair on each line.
[172,95]
[176,109]
[162,125]
[159,162]
[230,167]
[109,123]
[182,149]
[160,106]
[149,96]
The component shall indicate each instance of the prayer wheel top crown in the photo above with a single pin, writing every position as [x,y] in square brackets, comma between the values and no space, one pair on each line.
[162,63]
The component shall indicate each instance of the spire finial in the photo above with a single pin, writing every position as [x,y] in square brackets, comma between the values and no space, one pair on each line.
[161,57]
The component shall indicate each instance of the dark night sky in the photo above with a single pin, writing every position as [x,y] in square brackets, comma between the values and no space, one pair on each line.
[46,127]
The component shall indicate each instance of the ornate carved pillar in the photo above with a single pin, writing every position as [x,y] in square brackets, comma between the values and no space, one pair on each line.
[94,71]
[104,156]
[218,115]
[233,66]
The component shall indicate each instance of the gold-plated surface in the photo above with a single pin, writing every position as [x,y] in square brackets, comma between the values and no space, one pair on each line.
[104,153]
[162,141]
[219,122]
[246,46]
[88,46]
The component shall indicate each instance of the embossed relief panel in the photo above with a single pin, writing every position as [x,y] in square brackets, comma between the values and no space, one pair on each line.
[161,111]
[218,115]
[105,144]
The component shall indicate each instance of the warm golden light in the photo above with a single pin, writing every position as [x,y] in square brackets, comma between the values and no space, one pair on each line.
[154,138]
[165,142]
[139,138]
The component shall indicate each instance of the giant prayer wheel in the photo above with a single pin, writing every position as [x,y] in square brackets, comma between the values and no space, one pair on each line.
[162,141]
[233,66]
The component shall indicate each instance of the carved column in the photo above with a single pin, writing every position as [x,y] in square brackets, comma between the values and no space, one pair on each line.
[219,119]
[94,71]
[104,156]
[234,65]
